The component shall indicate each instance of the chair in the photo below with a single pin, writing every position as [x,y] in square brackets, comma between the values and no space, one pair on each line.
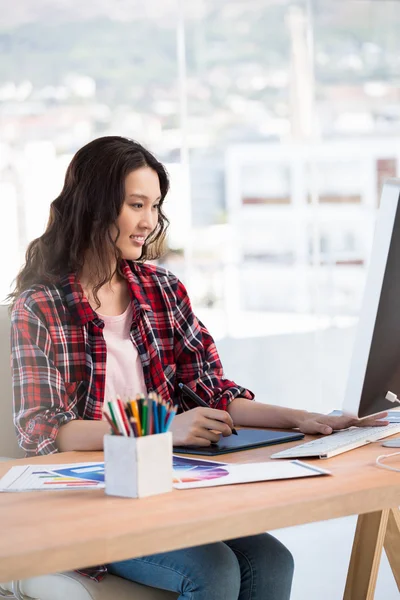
[58,586]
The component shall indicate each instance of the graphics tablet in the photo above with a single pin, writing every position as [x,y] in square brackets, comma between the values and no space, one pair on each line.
[244,440]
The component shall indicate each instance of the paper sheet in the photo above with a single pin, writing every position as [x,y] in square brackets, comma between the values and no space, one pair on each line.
[194,473]
[53,477]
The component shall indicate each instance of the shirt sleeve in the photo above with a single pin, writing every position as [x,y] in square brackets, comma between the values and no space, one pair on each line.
[197,361]
[42,400]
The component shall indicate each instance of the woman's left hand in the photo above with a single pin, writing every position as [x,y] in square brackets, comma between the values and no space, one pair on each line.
[326,424]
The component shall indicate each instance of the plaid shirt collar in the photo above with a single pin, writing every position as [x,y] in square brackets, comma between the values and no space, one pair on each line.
[79,306]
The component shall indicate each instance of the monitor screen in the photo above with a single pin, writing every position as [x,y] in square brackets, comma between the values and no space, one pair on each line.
[375,364]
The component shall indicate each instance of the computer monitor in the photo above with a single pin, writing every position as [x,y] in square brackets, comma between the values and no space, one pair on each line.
[374,375]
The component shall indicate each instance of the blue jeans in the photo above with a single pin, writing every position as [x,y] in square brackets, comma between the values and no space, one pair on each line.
[257,567]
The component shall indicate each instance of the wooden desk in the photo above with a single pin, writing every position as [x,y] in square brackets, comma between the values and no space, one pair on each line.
[45,532]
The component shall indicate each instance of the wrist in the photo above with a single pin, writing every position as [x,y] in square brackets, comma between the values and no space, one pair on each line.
[299,416]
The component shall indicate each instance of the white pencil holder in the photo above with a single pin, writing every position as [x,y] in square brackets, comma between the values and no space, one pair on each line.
[138,467]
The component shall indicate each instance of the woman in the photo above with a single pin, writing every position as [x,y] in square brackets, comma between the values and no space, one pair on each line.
[91,320]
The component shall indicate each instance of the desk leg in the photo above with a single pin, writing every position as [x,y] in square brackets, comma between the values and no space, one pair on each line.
[392,543]
[366,556]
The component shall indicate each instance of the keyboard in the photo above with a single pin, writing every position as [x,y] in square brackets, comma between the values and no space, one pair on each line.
[341,441]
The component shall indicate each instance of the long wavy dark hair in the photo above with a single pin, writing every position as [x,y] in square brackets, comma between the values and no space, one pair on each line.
[81,216]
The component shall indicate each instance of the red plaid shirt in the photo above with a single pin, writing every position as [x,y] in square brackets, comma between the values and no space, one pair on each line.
[59,353]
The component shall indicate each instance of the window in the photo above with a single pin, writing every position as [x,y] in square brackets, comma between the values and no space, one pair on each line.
[278,123]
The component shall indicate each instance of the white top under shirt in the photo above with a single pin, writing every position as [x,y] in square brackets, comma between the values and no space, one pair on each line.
[124,371]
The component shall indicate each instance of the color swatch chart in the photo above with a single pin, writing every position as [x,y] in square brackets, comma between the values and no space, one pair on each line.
[47,478]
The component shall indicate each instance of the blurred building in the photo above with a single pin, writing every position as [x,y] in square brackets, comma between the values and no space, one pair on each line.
[297,210]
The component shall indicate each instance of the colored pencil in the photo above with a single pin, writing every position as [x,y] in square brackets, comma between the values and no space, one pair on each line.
[149,427]
[111,410]
[134,426]
[135,414]
[144,417]
[156,428]
[171,415]
[111,424]
[123,415]
[118,418]
[163,417]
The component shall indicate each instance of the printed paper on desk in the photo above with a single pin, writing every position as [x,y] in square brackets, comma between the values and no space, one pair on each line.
[53,477]
[195,473]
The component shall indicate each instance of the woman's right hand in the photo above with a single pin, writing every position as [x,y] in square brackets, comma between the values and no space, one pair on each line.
[200,426]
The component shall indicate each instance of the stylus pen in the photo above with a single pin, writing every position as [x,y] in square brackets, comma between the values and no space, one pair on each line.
[199,401]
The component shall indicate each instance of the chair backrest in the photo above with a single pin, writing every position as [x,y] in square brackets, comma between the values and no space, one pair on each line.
[8,441]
